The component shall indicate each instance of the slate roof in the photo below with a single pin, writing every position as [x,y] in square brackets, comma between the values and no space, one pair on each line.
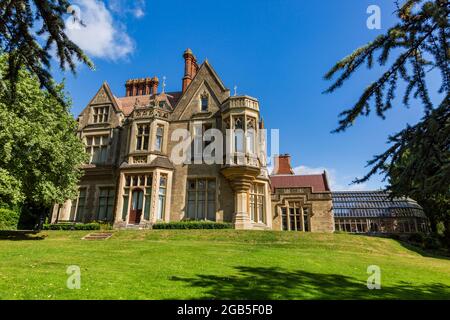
[160,162]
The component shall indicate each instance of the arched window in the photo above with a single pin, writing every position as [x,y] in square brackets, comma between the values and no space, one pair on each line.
[238,135]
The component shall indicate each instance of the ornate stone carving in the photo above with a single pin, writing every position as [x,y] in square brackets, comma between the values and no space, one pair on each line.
[139,159]
[101,97]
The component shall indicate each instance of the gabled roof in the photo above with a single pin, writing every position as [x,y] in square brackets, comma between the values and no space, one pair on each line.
[318,182]
[102,96]
[204,71]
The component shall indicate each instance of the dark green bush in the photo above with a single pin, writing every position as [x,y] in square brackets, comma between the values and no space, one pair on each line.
[72,226]
[395,236]
[8,219]
[417,237]
[193,225]
[431,242]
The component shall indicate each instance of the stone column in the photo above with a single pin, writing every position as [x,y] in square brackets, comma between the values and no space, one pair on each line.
[241,217]
[241,179]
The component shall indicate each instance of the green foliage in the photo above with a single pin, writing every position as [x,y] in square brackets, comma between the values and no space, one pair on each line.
[8,219]
[40,155]
[417,162]
[432,242]
[425,241]
[105,226]
[21,23]
[417,237]
[422,32]
[193,225]
[10,187]
[72,226]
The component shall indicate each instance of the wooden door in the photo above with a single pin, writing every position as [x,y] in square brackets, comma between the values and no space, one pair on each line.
[136,206]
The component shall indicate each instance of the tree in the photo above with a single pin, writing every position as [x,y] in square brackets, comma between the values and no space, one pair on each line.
[40,154]
[418,43]
[24,25]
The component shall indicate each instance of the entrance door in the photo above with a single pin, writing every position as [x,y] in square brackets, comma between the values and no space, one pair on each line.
[136,206]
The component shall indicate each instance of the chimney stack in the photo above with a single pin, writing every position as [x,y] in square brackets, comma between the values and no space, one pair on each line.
[139,87]
[128,88]
[190,68]
[155,82]
[283,165]
[148,85]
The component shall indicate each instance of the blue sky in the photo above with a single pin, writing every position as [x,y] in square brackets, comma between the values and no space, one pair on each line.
[277,51]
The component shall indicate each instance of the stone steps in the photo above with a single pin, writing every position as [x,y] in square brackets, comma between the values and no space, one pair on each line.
[98,236]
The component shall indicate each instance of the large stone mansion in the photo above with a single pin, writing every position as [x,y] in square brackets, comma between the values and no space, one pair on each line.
[130,179]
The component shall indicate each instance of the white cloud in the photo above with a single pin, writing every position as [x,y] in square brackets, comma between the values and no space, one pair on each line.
[102,36]
[124,7]
[337,183]
[138,12]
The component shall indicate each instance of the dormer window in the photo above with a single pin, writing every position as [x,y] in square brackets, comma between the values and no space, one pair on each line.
[142,137]
[204,102]
[100,114]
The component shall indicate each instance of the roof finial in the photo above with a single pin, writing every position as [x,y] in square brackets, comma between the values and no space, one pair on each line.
[164,84]
[235,90]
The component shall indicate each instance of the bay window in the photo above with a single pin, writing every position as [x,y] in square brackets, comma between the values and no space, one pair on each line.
[159,138]
[162,197]
[257,203]
[142,136]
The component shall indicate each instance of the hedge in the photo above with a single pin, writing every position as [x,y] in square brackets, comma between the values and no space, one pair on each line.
[8,219]
[72,226]
[426,241]
[193,225]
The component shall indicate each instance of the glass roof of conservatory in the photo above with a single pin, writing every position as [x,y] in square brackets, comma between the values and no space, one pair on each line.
[373,204]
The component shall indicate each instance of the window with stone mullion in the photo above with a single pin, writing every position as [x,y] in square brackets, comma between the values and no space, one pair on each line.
[201,201]
[142,137]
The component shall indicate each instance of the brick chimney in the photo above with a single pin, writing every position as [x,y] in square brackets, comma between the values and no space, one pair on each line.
[148,85]
[155,82]
[139,87]
[283,165]
[190,68]
[129,88]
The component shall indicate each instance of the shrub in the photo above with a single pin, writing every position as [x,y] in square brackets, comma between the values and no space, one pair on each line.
[417,237]
[72,226]
[8,219]
[192,225]
[431,242]
[105,226]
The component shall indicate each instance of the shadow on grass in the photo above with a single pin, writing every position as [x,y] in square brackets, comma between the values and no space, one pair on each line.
[438,254]
[429,253]
[20,235]
[263,283]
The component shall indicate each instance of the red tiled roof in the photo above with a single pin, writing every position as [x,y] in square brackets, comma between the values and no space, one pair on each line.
[318,182]
[126,104]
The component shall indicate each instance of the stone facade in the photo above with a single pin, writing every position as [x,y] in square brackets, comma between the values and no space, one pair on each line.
[132,178]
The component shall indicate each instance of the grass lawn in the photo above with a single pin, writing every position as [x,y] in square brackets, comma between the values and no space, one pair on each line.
[217,264]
